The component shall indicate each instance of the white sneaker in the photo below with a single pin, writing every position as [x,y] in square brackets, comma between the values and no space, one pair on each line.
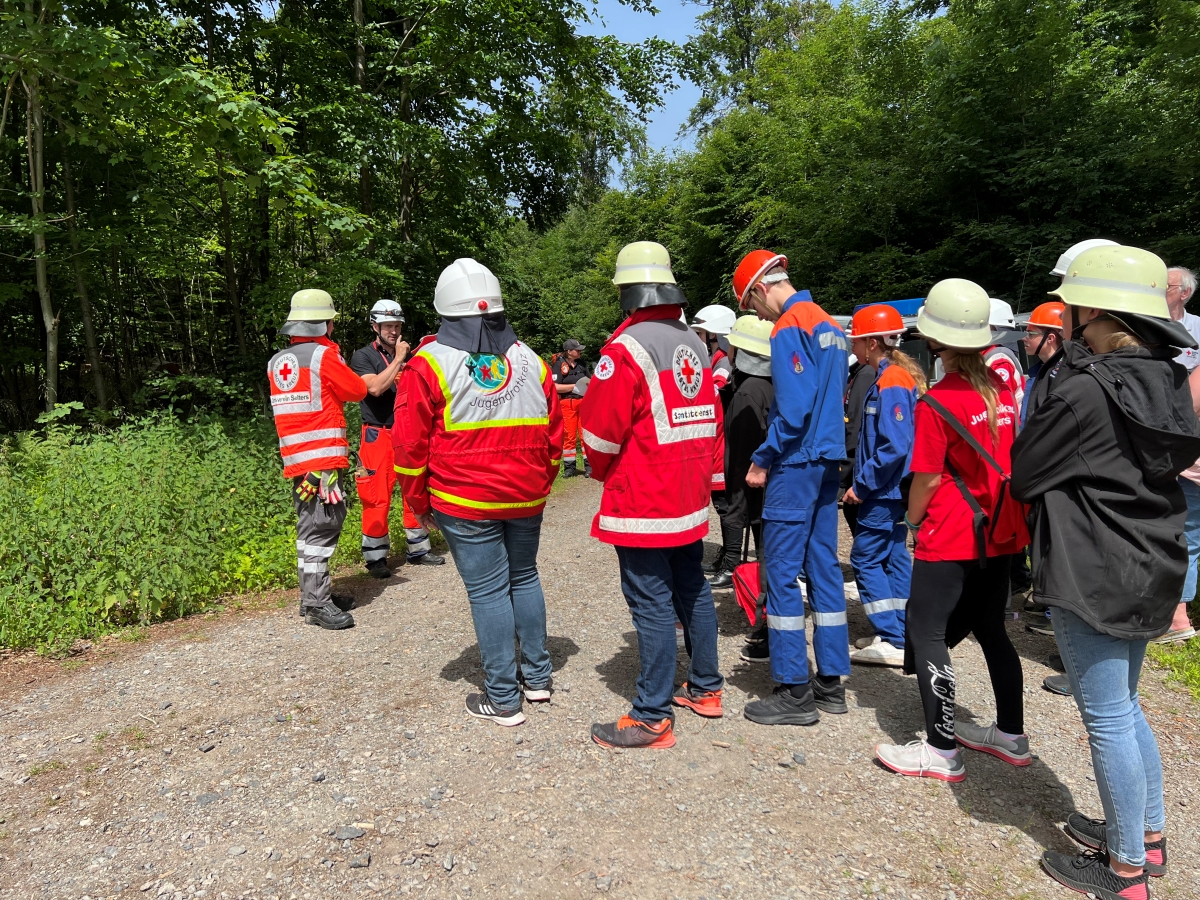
[679,634]
[866,642]
[878,653]
[919,760]
[850,589]
[986,739]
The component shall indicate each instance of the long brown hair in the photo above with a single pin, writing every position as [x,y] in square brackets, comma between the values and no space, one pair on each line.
[970,364]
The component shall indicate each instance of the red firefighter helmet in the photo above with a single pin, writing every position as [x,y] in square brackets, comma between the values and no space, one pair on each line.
[751,269]
[876,321]
[1048,315]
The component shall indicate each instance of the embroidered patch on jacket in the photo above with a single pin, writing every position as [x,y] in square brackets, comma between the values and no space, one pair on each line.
[604,368]
[898,413]
[797,366]
[286,372]
[490,373]
[688,370]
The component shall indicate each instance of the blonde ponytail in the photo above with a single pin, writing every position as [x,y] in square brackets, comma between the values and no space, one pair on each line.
[908,364]
[971,366]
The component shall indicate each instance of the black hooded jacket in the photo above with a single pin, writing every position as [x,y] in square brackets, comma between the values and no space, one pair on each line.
[1099,460]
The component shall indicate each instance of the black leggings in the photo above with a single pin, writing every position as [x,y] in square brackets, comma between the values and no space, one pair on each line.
[948,601]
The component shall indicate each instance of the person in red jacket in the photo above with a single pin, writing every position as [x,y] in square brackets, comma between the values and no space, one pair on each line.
[309,383]
[649,425]
[478,440]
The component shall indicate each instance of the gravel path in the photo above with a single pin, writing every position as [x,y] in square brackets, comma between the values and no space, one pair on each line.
[254,756]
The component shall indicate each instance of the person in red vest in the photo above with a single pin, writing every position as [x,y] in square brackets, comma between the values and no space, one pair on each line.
[650,421]
[310,383]
[478,438]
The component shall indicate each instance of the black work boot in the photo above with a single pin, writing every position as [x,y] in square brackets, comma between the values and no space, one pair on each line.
[830,694]
[328,616]
[783,707]
[568,470]
[379,569]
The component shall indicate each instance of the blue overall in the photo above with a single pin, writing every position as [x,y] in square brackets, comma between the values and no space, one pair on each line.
[806,439]
[879,554]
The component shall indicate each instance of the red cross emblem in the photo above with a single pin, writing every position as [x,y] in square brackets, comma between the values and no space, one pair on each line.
[688,371]
[285,371]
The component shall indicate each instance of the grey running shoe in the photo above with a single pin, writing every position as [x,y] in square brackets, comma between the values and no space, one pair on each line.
[988,740]
[918,759]
[1057,684]
[1093,833]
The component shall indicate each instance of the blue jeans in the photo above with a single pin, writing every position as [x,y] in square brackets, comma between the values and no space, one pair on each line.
[660,586]
[1191,531]
[882,566]
[497,561]
[1103,671]
[800,534]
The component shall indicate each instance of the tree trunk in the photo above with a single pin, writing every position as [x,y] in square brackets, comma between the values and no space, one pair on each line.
[35,134]
[364,169]
[231,287]
[85,303]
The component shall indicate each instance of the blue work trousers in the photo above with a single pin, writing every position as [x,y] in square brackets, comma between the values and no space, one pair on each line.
[800,529]
[882,566]
[662,585]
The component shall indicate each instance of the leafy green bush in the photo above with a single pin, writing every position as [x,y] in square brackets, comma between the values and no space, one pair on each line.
[151,520]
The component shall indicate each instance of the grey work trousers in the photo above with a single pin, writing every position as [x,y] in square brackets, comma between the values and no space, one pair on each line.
[318,527]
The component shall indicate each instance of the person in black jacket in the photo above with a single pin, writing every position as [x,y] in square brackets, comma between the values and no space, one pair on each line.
[862,376]
[1098,460]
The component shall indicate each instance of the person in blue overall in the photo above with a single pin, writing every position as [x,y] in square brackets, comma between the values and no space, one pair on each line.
[879,554]
[798,465]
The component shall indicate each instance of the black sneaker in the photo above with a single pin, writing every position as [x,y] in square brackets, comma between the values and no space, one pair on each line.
[1042,626]
[715,566]
[1055,662]
[1093,833]
[379,569]
[1057,684]
[781,708]
[328,616]
[830,694]
[481,707]
[721,581]
[759,652]
[344,602]
[1089,873]
[427,559]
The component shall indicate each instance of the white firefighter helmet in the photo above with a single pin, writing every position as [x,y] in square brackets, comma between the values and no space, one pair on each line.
[386,311]
[956,314]
[311,309]
[1001,316]
[467,288]
[715,319]
[1064,261]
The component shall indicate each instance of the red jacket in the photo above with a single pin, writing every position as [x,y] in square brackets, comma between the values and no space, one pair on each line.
[476,436]
[718,470]
[310,382]
[649,430]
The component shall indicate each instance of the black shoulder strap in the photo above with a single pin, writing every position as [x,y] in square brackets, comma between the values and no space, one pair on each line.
[958,426]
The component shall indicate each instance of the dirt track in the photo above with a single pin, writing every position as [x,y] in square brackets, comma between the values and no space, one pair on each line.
[107,789]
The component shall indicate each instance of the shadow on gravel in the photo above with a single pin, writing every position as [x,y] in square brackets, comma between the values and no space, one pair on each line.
[1030,799]
[365,589]
[468,666]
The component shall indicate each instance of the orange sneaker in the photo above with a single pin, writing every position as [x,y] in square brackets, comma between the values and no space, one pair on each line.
[702,703]
[629,733]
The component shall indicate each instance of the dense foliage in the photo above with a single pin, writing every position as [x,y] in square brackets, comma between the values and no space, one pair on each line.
[884,146]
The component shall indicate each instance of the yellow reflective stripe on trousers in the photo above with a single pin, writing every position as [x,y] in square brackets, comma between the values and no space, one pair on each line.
[448,397]
[478,504]
[412,473]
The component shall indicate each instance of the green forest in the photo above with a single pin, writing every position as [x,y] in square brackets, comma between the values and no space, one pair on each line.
[173,171]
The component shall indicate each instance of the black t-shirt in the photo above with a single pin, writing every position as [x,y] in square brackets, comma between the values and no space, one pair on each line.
[371,360]
[563,371]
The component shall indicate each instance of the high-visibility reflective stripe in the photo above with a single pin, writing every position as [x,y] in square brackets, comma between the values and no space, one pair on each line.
[569,455]
[719,479]
[303,437]
[372,542]
[373,555]
[418,541]
[881,606]
[1109,284]
[676,525]
[290,459]
[556,462]
[300,546]
[785,623]
[599,444]
[411,473]
[479,504]
[667,431]
[448,396]
[313,567]
[320,552]
[828,620]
